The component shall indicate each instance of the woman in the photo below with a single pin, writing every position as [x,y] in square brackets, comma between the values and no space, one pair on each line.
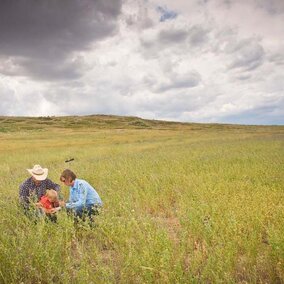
[83,198]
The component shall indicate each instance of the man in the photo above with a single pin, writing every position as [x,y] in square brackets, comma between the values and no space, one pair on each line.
[32,189]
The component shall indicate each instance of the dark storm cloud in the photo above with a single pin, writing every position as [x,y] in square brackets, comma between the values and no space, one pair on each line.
[40,68]
[39,34]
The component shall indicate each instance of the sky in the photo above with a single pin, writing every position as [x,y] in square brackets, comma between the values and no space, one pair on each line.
[207,61]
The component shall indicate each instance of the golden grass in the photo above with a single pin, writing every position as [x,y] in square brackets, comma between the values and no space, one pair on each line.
[183,203]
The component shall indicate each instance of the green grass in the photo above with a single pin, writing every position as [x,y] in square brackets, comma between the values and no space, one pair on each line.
[183,203]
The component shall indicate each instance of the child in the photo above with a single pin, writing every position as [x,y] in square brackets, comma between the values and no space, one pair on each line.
[49,202]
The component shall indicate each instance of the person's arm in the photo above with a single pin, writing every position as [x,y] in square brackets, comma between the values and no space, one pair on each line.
[50,210]
[24,194]
[47,206]
[82,198]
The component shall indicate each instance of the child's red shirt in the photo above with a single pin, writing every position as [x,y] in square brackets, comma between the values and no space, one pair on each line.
[47,204]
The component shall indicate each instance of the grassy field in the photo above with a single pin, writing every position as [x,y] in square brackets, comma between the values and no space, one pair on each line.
[183,203]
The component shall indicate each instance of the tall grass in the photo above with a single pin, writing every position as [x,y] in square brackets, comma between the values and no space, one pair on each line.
[202,205]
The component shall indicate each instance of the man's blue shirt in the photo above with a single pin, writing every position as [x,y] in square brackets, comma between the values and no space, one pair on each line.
[82,194]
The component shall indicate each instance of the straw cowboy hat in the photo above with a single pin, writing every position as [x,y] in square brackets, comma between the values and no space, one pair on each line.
[38,172]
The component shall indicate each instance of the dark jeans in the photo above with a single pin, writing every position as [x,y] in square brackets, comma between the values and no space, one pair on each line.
[85,211]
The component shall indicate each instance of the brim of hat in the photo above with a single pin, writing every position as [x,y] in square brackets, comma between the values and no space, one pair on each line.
[39,177]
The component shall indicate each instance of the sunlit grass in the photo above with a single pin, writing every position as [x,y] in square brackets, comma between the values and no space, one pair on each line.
[182,204]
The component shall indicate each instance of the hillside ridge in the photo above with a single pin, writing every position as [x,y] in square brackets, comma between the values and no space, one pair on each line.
[100,121]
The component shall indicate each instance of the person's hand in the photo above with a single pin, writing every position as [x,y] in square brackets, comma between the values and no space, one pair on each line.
[38,205]
[62,203]
[52,210]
